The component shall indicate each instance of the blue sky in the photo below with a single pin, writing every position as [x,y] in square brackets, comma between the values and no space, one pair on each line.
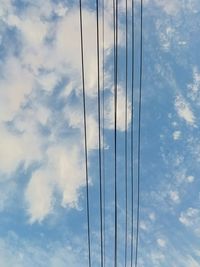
[42,182]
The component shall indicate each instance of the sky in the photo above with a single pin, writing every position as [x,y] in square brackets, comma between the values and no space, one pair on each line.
[42,166]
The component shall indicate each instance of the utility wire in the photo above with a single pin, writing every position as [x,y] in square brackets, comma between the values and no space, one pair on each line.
[139,134]
[132,131]
[115,16]
[126,138]
[85,138]
[103,137]
[99,133]
[114,66]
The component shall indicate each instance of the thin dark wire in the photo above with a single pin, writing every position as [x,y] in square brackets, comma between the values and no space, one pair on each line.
[115,11]
[99,133]
[132,123]
[114,59]
[126,137]
[139,134]
[85,139]
[103,139]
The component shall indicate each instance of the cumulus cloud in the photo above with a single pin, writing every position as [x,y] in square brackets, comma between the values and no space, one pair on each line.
[68,49]
[40,121]
[63,172]
[16,84]
[13,149]
[39,195]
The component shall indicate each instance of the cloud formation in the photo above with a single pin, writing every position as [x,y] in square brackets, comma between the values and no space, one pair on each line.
[184,111]
[41,117]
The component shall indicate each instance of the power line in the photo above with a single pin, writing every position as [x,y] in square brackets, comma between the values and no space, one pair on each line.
[132,124]
[139,134]
[85,137]
[99,132]
[103,136]
[115,16]
[126,137]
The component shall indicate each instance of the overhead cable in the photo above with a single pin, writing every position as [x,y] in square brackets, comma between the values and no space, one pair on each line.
[132,131]
[115,22]
[85,138]
[103,135]
[99,133]
[139,134]
[126,137]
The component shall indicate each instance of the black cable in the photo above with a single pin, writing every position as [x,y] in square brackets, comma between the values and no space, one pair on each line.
[126,138]
[115,15]
[132,131]
[139,133]
[85,138]
[99,133]
[103,138]
[114,59]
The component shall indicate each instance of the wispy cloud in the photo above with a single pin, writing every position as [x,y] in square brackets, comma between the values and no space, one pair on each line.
[184,111]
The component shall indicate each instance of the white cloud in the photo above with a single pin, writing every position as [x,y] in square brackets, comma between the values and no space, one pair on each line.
[33,37]
[8,144]
[16,84]
[157,257]
[109,111]
[183,177]
[68,49]
[34,254]
[39,195]
[13,149]
[143,226]
[152,216]
[190,179]
[166,36]
[176,135]
[61,10]
[184,111]
[191,218]
[174,196]
[171,7]
[28,79]
[161,242]
[191,262]
[74,116]
[193,6]
[194,87]
[48,81]
[64,172]
[7,190]
[6,5]
[68,164]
